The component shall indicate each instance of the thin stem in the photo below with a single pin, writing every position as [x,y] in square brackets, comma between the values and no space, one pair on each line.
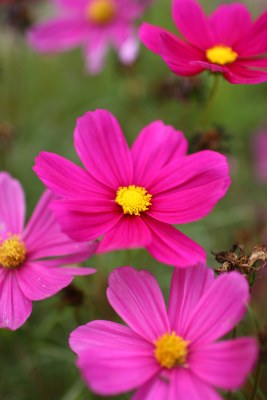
[229,395]
[260,393]
[253,317]
[256,382]
[210,99]
[234,335]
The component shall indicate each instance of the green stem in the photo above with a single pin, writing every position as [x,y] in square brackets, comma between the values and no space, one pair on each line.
[229,395]
[210,99]
[256,382]
[254,318]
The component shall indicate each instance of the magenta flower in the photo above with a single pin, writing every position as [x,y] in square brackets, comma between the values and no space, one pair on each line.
[30,258]
[93,24]
[131,196]
[170,354]
[227,41]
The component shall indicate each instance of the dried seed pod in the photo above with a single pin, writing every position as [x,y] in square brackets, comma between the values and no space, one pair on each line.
[237,260]
[214,139]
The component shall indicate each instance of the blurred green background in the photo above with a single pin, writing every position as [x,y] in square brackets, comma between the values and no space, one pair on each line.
[40,99]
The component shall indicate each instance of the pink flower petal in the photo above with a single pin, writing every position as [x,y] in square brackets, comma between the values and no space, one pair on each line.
[253,62]
[98,335]
[112,358]
[67,179]
[86,219]
[191,172]
[229,23]
[71,5]
[192,23]
[150,36]
[187,287]
[124,39]
[58,35]
[128,50]
[43,236]
[15,308]
[254,43]
[38,282]
[3,273]
[225,364]
[245,76]
[185,382]
[183,206]
[101,145]
[78,271]
[189,188]
[156,146]
[12,205]
[218,310]
[179,55]
[129,232]
[130,10]
[95,52]
[211,67]
[157,388]
[172,247]
[137,298]
[176,53]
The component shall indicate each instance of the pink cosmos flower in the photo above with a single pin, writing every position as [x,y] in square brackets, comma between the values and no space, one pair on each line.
[93,24]
[227,41]
[131,196]
[260,155]
[168,355]
[30,258]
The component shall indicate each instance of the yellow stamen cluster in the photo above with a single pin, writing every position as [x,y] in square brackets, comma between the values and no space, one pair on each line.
[171,350]
[133,199]
[12,252]
[221,55]
[101,12]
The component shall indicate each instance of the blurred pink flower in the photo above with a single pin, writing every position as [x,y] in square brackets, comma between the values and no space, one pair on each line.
[227,41]
[260,155]
[93,24]
[131,196]
[170,354]
[30,258]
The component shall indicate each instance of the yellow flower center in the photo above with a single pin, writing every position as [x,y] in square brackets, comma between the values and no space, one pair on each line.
[171,350]
[101,12]
[133,199]
[12,252]
[221,55]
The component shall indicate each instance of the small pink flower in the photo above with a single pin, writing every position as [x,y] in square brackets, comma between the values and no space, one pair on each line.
[227,41]
[260,155]
[93,24]
[131,196]
[30,257]
[170,354]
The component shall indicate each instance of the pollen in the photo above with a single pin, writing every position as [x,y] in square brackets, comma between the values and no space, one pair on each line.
[12,252]
[221,55]
[171,350]
[133,199]
[101,12]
